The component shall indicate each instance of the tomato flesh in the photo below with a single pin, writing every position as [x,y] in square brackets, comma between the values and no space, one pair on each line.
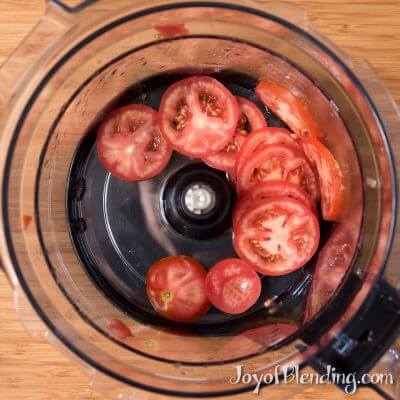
[278,236]
[278,162]
[175,287]
[198,116]
[233,286]
[289,108]
[267,190]
[250,119]
[261,137]
[330,178]
[129,144]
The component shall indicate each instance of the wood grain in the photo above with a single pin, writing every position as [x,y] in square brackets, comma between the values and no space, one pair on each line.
[34,370]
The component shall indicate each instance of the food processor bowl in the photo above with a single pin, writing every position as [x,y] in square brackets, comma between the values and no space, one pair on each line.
[76,243]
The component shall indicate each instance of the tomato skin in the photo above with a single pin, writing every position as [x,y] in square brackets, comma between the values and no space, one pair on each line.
[278,236]
[136,151]
[267,190]
[330,177]
[278,162]
[175,287]
[251,115]
[289,108]
[233,286]
[198,116]
[269,135]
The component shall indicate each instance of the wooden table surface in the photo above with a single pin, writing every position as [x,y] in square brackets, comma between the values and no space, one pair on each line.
[368,29]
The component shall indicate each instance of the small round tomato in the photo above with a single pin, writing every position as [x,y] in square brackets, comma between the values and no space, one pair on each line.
[250,119]
[198,116]
[129,144]
[278,236]
[278,162]
[330,177]
[233,286]
[264,136]
[268,190]
[175,287]
[289,108]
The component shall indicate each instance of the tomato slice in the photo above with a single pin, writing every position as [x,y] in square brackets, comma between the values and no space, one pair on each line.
[264,136]
[250,119]
[289,108]
[332,264]
[278,236]
[267,190]
[278,162]
[198,116]
[129,144]
[233,286]
[330,177]
[175,287]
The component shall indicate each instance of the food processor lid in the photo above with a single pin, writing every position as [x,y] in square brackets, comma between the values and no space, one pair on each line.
[344,342]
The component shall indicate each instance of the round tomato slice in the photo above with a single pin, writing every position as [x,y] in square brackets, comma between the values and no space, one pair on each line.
[278,162]
[129,144]
[267,190]
[198,116]
[259,138]
[233,286]
[289,108]
[278,236]
[175,287]
[250,119]
[330,177]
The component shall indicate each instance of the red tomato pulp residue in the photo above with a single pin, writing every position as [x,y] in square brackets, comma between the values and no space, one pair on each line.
[26,221]
[119,329]
[171,30]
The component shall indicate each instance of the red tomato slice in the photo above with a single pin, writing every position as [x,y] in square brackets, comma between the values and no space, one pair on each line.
[267,190]
[289,108]
[130,145]
[198,116]
[175,287]
[330,177]
[259,138]
[331,267]
[233,286]
[278,236]
[251,119]
[119,329]
[278,162]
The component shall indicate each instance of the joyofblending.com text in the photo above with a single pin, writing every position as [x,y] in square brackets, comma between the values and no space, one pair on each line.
[292,374]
